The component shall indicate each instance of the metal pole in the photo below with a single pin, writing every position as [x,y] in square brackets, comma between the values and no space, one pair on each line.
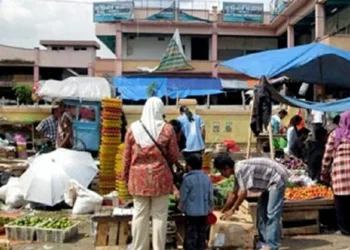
[208,101]
[177,99]
[243,99]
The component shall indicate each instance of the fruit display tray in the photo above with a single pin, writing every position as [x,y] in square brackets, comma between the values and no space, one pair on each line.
[22,233]
[56,235]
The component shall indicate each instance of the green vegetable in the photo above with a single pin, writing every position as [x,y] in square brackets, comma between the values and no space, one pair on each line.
[27,221]
[4,221]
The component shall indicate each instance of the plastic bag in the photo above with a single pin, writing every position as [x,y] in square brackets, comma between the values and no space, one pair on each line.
[14,195]
[3,192]
[84,201]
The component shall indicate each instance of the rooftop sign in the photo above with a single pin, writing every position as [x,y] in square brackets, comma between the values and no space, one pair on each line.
[243,12]
[113,11]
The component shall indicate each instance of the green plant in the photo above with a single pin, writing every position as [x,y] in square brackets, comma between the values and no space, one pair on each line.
[152,89]
[23,93]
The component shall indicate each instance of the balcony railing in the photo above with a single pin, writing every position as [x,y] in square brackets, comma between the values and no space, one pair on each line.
[199,66]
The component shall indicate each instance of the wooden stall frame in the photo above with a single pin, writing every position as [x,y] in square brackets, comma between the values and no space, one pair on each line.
[250,134]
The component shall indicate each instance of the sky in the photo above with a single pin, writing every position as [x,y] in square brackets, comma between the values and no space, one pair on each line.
[24,22]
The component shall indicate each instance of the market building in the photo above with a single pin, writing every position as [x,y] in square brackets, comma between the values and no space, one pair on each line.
[139,34]
[57,60]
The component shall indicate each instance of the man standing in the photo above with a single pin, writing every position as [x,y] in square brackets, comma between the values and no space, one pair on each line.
[48,126]
[276,121]
[318,120]
[257,174]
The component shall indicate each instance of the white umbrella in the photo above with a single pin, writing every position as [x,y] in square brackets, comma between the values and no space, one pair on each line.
[44,181]
[79,165]
[48,176]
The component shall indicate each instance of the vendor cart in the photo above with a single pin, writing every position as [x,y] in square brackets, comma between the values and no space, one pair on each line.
[85,95]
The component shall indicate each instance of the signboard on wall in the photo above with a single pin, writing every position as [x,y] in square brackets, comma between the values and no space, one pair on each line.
[113,11]
[277,6]
[243,12]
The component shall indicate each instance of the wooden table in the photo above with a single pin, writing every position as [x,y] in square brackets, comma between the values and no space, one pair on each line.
[112,230]
[299,211]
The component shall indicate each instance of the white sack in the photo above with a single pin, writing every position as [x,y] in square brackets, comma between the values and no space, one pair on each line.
[84,201]
[14,195]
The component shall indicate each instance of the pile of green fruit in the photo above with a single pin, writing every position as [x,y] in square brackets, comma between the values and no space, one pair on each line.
[61,223]
[4,221]
[27,221]
[222,190]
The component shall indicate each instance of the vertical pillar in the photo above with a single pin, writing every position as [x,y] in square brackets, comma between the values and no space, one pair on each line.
[119,51]
[319,33]
[91,69]
[319,20]
[290,36]
[214,44]
[36,73]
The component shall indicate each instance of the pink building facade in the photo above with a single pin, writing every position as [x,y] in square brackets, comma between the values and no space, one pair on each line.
[75,55]
[300,22]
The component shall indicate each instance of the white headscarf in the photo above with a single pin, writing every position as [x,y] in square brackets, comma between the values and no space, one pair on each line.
[152,118]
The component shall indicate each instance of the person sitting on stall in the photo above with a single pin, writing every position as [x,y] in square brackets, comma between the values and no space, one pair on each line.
[298,146]
[48,127]
[65,127]
[196,201]
[315,151]
[292,132]
[276,121]
[257,174]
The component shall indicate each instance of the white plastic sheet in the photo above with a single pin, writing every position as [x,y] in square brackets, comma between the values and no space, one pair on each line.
[76,88]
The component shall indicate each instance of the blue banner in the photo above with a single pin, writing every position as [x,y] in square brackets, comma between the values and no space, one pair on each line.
[243,12]
[113,11]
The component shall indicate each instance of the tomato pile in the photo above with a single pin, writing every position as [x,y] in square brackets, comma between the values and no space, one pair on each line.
[308,193]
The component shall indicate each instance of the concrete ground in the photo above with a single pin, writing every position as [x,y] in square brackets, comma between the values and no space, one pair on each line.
[314,242]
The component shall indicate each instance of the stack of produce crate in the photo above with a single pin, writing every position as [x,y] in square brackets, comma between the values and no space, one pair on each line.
[110,140]
[120,186]
[207,161]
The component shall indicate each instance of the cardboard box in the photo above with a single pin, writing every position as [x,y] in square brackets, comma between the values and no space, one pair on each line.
[238,232]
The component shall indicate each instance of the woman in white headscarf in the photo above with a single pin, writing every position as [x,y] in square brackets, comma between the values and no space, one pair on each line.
[147,173]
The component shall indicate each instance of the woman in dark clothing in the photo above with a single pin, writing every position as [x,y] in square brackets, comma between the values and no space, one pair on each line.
[315,150]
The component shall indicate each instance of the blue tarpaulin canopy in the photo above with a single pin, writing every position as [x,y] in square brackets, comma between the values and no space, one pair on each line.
[183,87]
[135,88]
[334,106]
[314,63]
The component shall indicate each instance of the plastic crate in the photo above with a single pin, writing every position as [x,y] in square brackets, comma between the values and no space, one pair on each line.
[20,233]
[56,235]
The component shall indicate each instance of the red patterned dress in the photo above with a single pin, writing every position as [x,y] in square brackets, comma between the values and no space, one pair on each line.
[338,172]
[145,169]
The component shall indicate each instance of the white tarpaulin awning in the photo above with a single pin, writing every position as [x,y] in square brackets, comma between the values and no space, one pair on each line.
[233,84]
[77,88]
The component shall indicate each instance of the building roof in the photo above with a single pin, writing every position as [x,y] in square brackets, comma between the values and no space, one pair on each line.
[69,43]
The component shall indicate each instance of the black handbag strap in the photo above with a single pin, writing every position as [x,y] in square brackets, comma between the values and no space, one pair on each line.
[158,146]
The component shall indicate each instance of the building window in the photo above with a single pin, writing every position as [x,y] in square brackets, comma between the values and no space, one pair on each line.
[227,54]
[58,48]
[79,48]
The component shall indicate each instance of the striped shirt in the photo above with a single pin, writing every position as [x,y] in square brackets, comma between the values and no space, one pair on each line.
[48,126]
[336,165]
[260,174]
